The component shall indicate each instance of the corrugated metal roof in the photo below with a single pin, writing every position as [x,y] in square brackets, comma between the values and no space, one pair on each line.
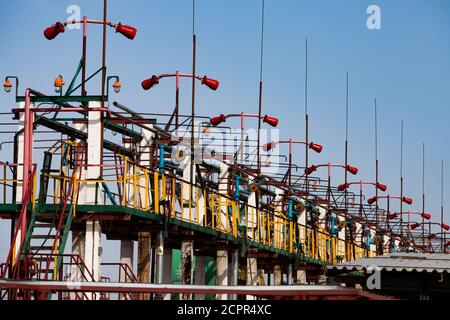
[419,262]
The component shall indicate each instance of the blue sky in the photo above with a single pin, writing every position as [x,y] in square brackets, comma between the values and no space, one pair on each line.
[404,65]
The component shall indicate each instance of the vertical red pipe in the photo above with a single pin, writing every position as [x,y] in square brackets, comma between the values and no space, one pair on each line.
[27,157]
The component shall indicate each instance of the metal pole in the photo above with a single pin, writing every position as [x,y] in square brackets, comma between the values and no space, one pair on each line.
[345,169]
[105,10]
[376,164]
[423,194]
[289,274]
[177,99]
[242,138]
[83,71]
[290,162]
[306,118]
[401,183]
[442,207]
[159,257]
[258,160]
[194,47]
[234,270]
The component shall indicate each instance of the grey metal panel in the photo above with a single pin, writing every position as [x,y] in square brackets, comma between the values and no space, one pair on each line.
[419,262]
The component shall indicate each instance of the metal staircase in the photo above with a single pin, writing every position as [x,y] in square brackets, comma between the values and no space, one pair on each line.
[48,231]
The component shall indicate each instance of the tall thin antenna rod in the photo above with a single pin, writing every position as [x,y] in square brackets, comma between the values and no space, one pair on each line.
[401,183]
[306,118]
[193,17]
[306,76]
[376,130]
[401,152]
[423,168]
[423,194]
[346,112]
[262,42]
[376,163]
[258,160]
[346,163]
[443,237]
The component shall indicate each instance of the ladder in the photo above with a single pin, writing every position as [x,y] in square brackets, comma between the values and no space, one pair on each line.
[48,231]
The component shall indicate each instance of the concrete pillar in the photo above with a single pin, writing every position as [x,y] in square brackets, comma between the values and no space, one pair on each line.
[222,271]
[252,274]
[76,272]
[159,256]
[143,274]
[234,271]
[277,275]
[290,279]
[199,275]
[91,248]
[167,272]
[301,276]
[186,266]
[93,197]
[126,257]
[223,190]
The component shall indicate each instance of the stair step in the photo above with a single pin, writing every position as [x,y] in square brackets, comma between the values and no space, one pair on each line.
[41,248]
[50,271]
[43,225]
[44,236]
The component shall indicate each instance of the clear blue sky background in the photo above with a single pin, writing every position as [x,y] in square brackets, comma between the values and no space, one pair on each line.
[405,65]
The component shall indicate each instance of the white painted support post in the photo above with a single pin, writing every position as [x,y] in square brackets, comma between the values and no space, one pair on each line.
[199,275]
[167,273]
[252,215]
[93,196]
[143,269]
[223,190]
[126,259]
[234,271]
[252,275]
[188,214]
[301,276]
[186,266]
[277,275]
[222,271]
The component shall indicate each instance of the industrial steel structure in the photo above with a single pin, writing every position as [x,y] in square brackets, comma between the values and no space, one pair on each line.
[84,166]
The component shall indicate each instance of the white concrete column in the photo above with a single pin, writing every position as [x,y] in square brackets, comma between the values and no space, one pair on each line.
[186,266]
[277,275]
[143,269]
[93,196]
[167,273]
[234,271]
[76,271]
[126,257]
[188,214]
[222,271]
[223,190]
[199,275]
[252,216]
[301,276]
[252,275]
